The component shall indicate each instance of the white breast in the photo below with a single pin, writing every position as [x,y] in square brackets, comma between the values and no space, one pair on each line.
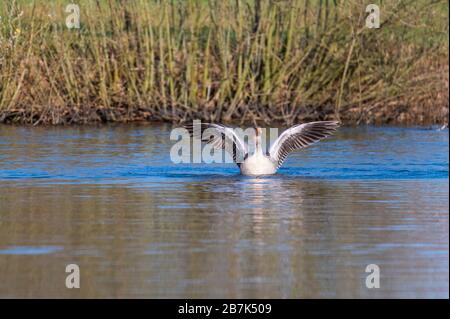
[258,164]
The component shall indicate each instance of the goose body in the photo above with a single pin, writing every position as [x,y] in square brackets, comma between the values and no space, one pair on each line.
[256,164]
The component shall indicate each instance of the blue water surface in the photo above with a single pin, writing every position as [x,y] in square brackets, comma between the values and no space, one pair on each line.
[124,154]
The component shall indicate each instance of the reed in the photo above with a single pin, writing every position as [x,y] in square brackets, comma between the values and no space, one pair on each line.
[244,61]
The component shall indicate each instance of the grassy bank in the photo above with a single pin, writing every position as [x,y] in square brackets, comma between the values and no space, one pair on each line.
[246,61]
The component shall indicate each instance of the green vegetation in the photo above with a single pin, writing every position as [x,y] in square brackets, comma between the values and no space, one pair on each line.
[247,61]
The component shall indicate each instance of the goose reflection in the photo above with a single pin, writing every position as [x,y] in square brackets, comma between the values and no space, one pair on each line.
[272,194]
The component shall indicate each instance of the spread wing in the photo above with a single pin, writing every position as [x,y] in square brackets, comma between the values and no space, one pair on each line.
[299,137]
[220,137]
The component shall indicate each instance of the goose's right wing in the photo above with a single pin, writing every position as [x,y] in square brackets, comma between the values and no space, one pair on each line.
[221,137]
[300,136]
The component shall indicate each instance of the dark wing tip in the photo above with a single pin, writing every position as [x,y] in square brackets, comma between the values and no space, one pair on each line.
[334,124]
[190,127]
[324,128]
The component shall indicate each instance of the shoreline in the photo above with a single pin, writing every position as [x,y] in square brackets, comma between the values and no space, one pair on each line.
[139,122]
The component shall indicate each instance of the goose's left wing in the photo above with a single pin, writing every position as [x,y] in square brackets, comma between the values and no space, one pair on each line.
[300,136]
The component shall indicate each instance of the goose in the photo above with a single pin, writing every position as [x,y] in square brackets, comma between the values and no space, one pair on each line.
[294,138]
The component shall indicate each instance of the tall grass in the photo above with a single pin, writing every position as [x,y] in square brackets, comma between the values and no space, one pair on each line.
[256,60]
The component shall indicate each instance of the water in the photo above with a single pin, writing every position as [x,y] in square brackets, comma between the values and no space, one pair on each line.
[109,200]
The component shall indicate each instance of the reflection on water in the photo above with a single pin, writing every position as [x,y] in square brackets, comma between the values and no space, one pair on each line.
[108,200]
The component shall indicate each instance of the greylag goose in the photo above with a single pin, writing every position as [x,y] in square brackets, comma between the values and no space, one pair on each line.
[295,138]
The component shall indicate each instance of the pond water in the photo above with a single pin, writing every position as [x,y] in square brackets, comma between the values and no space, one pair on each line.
[109,199]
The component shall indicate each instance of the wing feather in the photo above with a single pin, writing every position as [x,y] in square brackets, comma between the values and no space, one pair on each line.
[224,138]
[299,137]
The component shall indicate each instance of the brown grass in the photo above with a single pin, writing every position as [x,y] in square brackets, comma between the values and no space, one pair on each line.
[244,61]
